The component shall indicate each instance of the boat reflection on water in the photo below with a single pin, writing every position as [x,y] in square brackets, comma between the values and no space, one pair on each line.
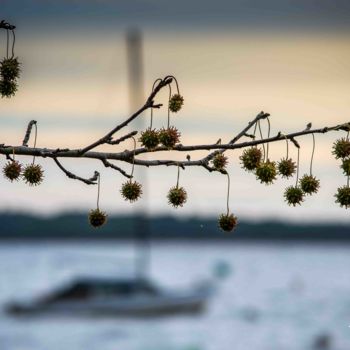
[116,297]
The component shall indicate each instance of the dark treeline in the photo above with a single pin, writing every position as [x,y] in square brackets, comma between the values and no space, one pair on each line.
[75,226]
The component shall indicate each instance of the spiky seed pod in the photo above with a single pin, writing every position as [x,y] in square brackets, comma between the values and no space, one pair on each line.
[341,148]
[294,195]
[8,88]
[149,138]
[227,222]
[286,167]
[177,196]
[176,102]
[309,184]
[33,174]
[343,196]
[266,172]
[169,137]
[220,161]
[97,218]
[251,158]
[10,68]
[12,170]
[346,166]
[131,190]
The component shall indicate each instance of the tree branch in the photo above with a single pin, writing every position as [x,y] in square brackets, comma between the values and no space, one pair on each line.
[127,156]
[91,181]
[28,132]
[149,104]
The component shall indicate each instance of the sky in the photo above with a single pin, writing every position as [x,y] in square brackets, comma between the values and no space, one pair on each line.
[232,59]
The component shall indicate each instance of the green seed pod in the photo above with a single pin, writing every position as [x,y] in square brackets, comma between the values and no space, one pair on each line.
[294,195]
[266,172]
[8,88]
[131,190]
[10,69]
[220,161]
[97,218]
[33,174]
[12,170]
[149,138]
[346,166]
[341,148]
[176,102]
[286,167]
[251,158]
[169,137]
[177,196]
[309,184]
[227,222]
[343,196]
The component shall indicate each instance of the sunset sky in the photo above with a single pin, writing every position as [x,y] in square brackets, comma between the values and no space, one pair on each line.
[232,59]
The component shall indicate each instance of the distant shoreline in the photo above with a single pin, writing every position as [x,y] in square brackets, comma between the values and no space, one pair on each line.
[74,227]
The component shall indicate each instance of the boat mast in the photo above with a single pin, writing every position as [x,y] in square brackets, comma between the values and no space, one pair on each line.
[136,99]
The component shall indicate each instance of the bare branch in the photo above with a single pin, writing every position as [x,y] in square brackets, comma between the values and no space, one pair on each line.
[123,138]
[28,132]
[127,156]
[108,164]
[149,104]
[91,181]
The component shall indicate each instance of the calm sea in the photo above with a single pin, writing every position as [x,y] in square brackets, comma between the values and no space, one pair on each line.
[276,297]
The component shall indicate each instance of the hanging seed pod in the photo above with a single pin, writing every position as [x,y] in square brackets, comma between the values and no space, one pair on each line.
[227,222]
[131,190]
[149,138]
[8,88]
[309,184]
[220,161]
[97,218]
[12,170]
[286,167]
[10,69]
[343,196]
[169,137]
[177,196]
[33,174]
[294,195]
[176,102]
[251,158]
[341,148]
[266,172]
[346,166]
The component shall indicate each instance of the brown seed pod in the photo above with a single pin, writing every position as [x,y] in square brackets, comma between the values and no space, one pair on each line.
[8,88]
[346,166]
[149,138]
[12,170]
[33,174]
[251,158]
[343,196]
[266,172]
[176,102]
[294,195]
[97,218]
[177,196]
[227,222]
[309,184]
[220,161]
[169,137]
[341,148]
[286,167]
[10,68]
[131,190]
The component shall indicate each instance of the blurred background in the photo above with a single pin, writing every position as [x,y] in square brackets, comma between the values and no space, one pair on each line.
[281,279]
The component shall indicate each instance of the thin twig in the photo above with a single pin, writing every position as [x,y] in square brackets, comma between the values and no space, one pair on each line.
[28,132]
[91,181]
